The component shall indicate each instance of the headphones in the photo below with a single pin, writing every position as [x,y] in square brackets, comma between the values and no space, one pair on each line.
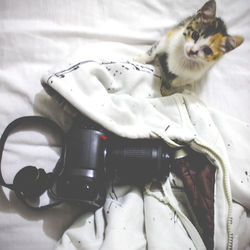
[30,183]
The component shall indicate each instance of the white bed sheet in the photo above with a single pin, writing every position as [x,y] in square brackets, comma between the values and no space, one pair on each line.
[35,35]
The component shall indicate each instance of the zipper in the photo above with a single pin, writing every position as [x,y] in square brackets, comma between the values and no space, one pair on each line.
[200,147]
[186,122]
[212,154]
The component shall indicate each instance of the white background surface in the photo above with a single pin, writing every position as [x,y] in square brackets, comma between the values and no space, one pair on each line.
[35,35]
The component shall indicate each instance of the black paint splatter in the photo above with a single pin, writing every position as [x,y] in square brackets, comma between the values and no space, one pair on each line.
[137,67]
[167,128]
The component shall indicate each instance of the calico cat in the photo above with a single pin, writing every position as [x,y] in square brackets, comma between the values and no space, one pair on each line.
[189,50]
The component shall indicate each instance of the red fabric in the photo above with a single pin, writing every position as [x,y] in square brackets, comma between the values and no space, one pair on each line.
[198,176]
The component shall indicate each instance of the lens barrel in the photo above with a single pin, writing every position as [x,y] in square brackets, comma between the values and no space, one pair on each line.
[139,160]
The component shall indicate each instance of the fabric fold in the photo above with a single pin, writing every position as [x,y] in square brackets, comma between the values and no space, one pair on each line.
[124,97]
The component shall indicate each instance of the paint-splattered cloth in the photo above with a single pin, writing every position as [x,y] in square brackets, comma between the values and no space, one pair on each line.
[124,97]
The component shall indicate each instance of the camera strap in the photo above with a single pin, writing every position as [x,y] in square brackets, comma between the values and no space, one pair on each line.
[34,121]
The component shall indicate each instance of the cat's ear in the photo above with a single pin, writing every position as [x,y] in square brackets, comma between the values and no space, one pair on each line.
[232,42]
[208,11]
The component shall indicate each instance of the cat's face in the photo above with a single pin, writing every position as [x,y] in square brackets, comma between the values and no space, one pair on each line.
[206,38]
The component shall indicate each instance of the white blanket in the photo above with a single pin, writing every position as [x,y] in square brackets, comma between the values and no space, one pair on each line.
[124,96]
[35,35]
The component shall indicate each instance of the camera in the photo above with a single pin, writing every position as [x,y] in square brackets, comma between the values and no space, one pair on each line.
[91,158]
[94,156]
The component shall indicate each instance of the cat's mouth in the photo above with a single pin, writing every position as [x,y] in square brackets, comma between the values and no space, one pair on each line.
[191,55]
[192,59]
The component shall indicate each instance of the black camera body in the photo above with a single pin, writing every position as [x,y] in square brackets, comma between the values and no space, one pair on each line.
[94,156]
[83,179]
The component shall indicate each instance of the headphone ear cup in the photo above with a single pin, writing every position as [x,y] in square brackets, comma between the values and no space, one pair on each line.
[31,182]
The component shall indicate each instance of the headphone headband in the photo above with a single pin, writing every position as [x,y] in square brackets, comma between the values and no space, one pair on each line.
[34,120]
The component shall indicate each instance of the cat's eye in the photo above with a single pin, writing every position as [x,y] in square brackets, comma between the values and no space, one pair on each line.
[207,51]
[195,35]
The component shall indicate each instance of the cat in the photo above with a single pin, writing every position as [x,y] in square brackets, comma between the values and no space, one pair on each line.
[191,48]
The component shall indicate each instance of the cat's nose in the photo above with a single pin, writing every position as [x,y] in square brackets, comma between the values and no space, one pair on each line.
[192,52]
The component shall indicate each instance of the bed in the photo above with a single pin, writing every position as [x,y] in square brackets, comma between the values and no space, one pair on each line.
[36,35]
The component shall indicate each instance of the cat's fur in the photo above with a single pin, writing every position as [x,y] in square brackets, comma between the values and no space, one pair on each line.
[189,50]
